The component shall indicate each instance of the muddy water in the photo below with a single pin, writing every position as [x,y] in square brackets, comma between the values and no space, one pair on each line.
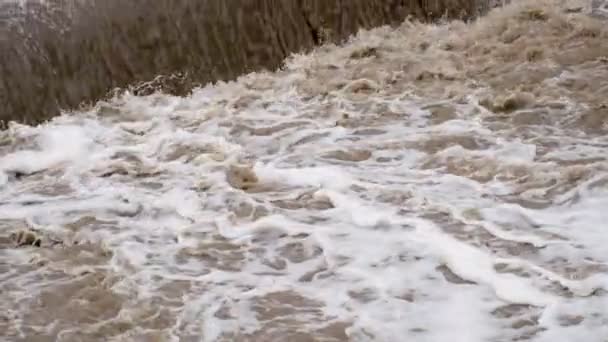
[421,183]
[59,54]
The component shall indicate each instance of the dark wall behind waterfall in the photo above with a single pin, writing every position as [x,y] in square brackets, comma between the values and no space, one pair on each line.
[62,53]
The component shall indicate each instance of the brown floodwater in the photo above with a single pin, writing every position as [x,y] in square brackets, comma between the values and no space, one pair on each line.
[423,182]
[62,54]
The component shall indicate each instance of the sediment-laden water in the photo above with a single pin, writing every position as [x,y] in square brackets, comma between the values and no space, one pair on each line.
[58,54]
[420,183]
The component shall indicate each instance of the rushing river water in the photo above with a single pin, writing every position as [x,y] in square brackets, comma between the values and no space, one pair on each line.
[426,183]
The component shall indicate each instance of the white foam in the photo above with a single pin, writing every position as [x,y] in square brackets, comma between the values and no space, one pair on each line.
[326,176]
[56,145]
[473,264]
[396,255]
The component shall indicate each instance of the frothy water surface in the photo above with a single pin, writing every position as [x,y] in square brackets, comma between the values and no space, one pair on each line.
[423,183]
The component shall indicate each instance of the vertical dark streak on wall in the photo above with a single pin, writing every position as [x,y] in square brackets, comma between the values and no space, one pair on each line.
[68,53]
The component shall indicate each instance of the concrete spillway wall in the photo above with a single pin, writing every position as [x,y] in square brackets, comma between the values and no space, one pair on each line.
[62,53]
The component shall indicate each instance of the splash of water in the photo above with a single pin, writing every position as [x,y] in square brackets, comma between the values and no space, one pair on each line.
[425,182]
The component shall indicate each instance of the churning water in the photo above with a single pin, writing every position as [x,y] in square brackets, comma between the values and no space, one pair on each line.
[425,183]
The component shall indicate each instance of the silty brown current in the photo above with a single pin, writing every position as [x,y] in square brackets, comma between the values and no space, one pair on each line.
[421,183]
[58,54]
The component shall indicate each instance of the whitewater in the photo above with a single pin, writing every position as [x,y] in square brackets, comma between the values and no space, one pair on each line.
[429,182]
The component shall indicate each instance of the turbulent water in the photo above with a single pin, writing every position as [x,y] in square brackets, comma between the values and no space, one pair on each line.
[424,183]
[60,54]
